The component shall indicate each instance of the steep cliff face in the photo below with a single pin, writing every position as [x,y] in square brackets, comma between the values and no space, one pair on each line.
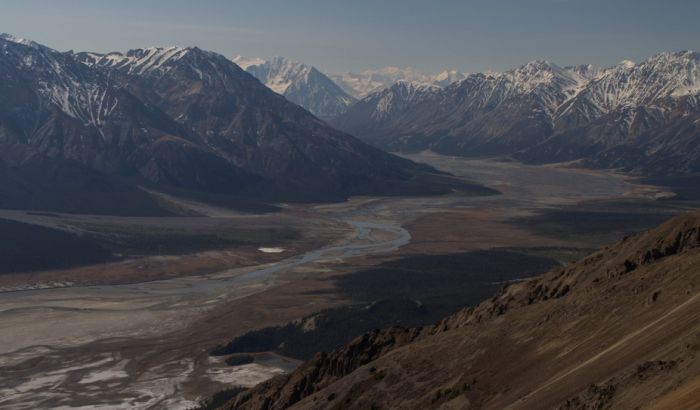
[618,329]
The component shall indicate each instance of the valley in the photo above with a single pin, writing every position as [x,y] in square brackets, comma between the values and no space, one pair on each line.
[456,205]
[113,340]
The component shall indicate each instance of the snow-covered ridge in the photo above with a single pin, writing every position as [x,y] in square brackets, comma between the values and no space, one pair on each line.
[591,91]
[628,85]
[682,78]
[538,73]
[159,62]
[138,61]
[585,91]
[61,82]
[18,40]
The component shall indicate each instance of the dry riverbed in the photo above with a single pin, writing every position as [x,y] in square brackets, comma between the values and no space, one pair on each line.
[145,344]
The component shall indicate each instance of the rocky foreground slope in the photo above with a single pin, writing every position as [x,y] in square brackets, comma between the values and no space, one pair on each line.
[619,329]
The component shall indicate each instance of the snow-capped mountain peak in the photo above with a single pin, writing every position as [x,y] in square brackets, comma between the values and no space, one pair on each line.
[282,73]
[300,83]
[543,73]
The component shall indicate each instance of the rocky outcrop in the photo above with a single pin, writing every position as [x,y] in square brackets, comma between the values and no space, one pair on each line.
[283,391]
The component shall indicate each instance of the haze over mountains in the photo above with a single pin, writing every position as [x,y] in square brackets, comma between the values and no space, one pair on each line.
[175,118]
[330,95]
[367,82]
[639,117]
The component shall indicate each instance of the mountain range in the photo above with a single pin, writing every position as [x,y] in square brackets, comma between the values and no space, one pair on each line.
[617,329]
[193,121]
[638,117]
[79,130]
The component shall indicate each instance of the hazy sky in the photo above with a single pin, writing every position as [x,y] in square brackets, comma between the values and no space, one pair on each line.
[470,35]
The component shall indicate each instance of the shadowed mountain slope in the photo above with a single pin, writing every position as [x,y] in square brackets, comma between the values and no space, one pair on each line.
[178,119]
